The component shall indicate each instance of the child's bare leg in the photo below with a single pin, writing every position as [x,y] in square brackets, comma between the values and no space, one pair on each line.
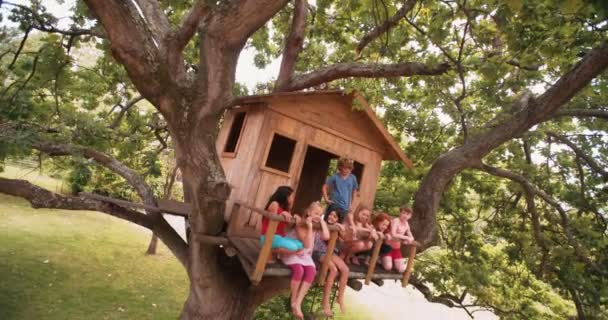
[345,251]
[331,277]
[343,268]
[357,247]
[387,263]
[400,265]
[308,278]
[297,273]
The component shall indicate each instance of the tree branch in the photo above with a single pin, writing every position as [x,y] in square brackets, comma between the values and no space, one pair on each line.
[27,33]
[422,32]
[362,70]
[189,24]
[448,300]
[237,20]
[564,221]
[132,44]
[123,110]
[448,165]
[386,26]
[598,113]
[293,44]
[516,63]
[581,154]
[24,83]
[581,176]
[41,24]
[42,198]
[155,18]
[132,177]
[159,225]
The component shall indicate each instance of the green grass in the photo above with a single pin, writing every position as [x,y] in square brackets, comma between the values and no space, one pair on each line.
[61,264]
[34,176]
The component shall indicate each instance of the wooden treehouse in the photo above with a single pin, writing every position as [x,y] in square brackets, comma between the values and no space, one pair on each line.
[291,139]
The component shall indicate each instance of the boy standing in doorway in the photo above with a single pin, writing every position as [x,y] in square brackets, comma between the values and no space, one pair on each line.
[343,187]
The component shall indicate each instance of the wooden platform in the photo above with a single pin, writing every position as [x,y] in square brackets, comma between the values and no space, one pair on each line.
[248,250]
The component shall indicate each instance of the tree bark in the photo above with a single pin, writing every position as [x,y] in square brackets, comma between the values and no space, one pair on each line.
[293,43]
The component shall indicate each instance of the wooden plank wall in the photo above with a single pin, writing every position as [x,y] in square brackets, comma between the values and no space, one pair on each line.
[241,169]
[327,125]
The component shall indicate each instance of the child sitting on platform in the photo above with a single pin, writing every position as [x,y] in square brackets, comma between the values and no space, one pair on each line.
[302,266]
[400,233]
[336,264]
[355,242]
[381,223]
[280,203]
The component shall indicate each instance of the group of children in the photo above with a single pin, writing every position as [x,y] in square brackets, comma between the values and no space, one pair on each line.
[298,246]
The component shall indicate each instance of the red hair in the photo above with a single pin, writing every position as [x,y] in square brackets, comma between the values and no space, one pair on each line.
[379,219]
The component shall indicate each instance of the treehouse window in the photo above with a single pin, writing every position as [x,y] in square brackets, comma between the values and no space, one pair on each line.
[280,153]
[234,135]
[358,172]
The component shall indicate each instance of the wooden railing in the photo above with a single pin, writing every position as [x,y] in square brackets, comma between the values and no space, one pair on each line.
[275,219]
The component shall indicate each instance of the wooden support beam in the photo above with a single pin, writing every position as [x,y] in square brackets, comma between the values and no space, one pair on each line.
[378,282]
[173,207]
[233,220]
[260,265]
[333,237]
[374,259]
[354,284]
[409,267]
[212,240]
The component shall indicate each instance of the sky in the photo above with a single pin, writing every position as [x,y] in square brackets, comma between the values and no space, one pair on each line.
[390,302]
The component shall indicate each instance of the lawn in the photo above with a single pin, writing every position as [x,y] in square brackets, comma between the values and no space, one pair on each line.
[58,264]
[61,264]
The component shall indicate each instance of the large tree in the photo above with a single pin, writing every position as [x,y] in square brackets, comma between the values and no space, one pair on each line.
[468,86]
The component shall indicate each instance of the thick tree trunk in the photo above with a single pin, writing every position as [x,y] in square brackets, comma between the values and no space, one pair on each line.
[224,301]
[218,285]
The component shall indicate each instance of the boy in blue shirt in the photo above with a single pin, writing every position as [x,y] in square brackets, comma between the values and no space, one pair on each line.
[343,187]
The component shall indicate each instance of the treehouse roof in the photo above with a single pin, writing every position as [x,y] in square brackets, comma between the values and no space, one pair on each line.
[362,118]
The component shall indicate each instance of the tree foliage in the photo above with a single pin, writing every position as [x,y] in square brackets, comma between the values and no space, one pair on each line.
[522,227]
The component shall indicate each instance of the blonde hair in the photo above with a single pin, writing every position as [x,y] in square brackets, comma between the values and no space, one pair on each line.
[345,163]
[356,215]
[314,204]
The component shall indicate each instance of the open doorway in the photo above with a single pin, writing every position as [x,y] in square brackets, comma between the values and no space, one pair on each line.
[313,176]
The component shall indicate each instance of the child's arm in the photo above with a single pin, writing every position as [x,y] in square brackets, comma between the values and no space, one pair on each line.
[324,190]
[350,218]
[309,239]
[352,199]
[324,230]
[274,208]
[408,234]
[372,231]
